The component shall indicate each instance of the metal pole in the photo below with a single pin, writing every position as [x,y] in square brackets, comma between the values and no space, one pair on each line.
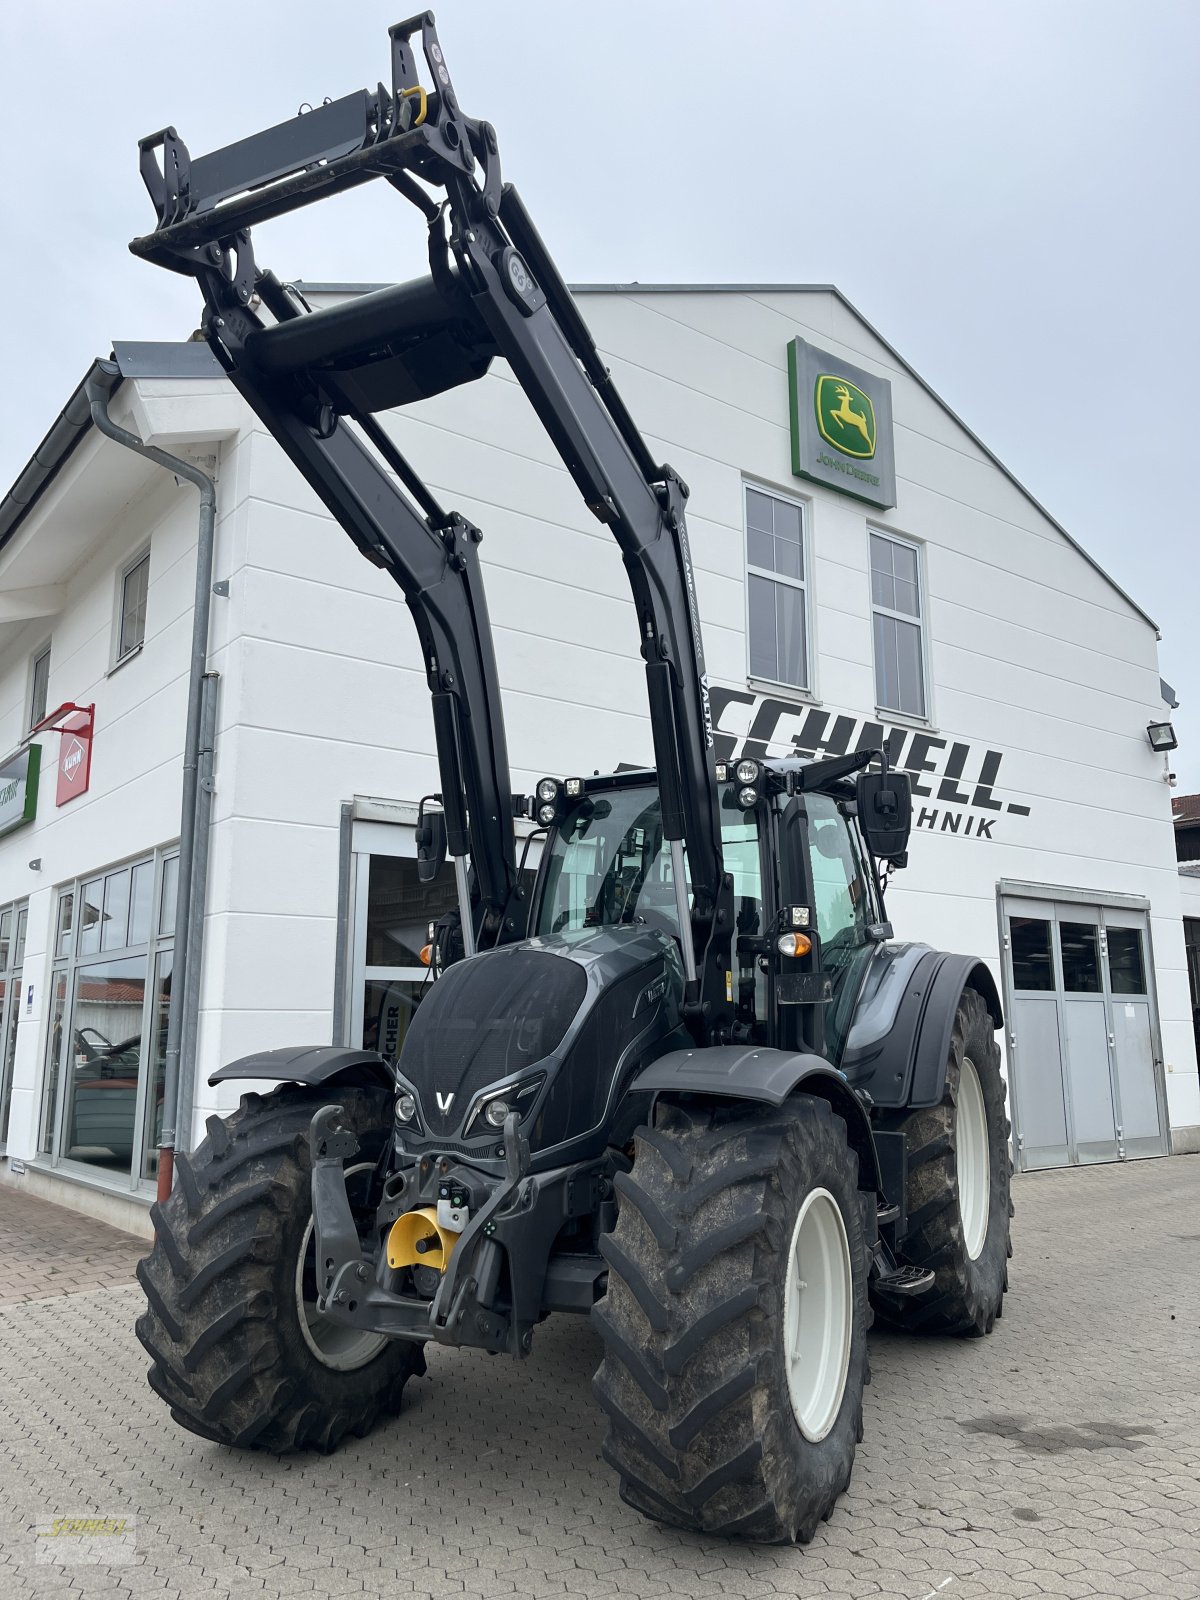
[464,904]
[683,910]
[98,401]
[190,1021]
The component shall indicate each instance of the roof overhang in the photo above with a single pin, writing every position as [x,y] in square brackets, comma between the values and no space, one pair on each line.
[74,485]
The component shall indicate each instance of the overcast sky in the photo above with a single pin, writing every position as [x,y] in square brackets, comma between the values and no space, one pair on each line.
[1006,189]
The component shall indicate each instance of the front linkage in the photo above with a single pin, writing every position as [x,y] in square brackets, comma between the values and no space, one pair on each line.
[468,1224]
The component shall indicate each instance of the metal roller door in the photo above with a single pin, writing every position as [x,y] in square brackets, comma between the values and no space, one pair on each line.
[1084,1052]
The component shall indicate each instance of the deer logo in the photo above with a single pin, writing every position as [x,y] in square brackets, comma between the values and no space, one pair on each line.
[845,416]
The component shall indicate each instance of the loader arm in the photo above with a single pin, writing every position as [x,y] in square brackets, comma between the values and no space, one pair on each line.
[316,379]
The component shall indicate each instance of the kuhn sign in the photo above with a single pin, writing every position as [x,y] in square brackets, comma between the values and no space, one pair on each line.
[954,783]
[74,759]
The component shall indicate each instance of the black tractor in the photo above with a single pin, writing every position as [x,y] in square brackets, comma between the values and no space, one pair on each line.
[692,1085]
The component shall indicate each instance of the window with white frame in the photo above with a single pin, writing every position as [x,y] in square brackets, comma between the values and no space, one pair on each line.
[777,627]
[131,615]
[898,626]
[39,686]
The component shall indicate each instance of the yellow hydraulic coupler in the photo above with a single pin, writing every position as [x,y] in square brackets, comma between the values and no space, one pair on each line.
[418,1240]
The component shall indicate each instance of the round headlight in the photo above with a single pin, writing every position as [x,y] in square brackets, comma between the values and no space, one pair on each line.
[495,1112]
[546,815]
[547,789]
[406,1108]
[747,798]
[747,771]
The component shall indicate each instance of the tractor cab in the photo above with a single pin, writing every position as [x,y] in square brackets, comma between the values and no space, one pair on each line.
[807,891]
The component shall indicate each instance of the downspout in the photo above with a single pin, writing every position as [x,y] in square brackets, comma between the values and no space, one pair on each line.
[192,884]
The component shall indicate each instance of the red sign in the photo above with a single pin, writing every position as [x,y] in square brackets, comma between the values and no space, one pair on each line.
[74,759]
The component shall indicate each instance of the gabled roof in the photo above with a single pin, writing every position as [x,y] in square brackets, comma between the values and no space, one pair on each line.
[196,359]
[1185,808]
[829,288]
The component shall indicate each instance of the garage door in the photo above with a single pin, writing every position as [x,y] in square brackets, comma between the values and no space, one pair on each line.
[1083,1033]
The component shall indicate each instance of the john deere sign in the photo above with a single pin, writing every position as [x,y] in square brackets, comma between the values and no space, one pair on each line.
[841,425]
[18,788]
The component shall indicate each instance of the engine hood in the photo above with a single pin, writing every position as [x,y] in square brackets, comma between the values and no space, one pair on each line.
[518,1018]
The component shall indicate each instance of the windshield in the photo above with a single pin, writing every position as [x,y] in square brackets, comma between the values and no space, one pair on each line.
[609,864]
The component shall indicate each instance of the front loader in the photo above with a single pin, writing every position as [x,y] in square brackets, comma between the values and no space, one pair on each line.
[693,1085]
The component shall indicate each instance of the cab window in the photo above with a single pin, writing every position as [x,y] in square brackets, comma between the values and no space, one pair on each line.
[844,906]
[608,865]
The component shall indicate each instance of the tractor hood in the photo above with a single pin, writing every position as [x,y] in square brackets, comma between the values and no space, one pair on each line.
[555,1027]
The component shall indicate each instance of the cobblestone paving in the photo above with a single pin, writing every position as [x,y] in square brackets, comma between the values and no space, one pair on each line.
[1059,1457]
[47,1250]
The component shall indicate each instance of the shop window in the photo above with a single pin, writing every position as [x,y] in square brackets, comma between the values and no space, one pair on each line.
[109,1007]
[898,624]
[13,921]
[777,627]
[131,618]
[39,687]
[1032,961]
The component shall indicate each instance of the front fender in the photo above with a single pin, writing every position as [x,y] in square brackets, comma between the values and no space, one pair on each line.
[755,1072]
[312,1064]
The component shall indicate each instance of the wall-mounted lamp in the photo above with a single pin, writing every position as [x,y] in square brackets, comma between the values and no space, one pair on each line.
[1161,736]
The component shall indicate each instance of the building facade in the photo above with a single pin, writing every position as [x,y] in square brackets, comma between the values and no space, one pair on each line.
[868,574]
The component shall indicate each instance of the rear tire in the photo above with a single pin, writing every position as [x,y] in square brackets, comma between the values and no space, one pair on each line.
[701,1317]
[234,1355]
[959,1202]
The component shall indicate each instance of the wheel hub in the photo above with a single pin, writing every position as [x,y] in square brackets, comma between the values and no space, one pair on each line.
[333,1343]
[818,1314]
[972,1159]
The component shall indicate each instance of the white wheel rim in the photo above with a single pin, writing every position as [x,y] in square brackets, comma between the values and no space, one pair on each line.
[972,1159]
[818,1314]
[333,1343]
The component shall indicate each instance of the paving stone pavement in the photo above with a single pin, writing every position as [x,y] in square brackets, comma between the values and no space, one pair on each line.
[47,1250]
[1059,1457]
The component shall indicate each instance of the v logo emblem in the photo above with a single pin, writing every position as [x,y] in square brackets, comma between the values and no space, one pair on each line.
[444,1101]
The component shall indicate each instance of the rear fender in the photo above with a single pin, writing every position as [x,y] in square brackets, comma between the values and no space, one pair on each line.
[744,1072]
[312,1064]
[899,1042]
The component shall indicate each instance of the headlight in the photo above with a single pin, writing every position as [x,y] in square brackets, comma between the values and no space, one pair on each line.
[489,1113]
[547,789]
[406,1108]
[747,799]
[574,788]
[546,815]
[747,771]
[793,944]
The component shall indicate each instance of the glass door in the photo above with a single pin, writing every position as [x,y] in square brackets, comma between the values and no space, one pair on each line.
[1133,1035]
[393,910]
[1083,1034]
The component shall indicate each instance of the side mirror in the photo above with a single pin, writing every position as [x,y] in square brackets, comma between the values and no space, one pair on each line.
[431,843]
[885,812]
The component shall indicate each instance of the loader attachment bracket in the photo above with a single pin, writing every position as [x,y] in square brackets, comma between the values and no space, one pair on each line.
[202,201]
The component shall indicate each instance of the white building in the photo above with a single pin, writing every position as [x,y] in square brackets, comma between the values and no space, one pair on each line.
[1009,674]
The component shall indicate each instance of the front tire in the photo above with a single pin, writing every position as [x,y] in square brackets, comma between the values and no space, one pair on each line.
[238,1350]
[958,1200]
[735,1322]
